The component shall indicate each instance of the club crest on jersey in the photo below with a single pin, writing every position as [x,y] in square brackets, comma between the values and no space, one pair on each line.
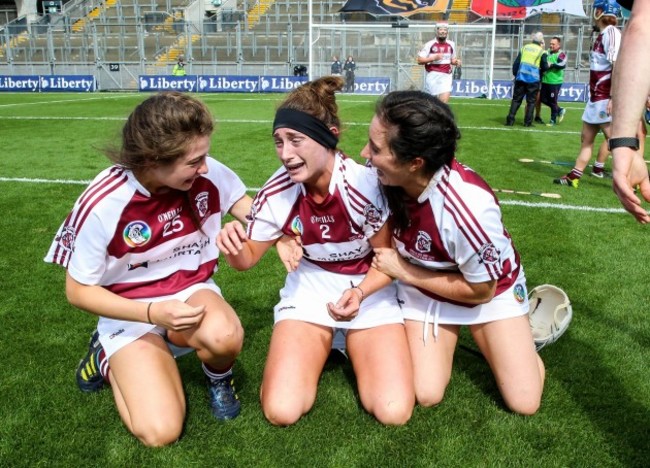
[489,254]
[296,226]
[136,234]
[67,238]
[423,242]
[201,200]
[372,214]
[519,292]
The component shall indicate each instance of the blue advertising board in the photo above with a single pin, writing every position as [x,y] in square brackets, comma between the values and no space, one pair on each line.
[501,89]
[47,83]
[247,84]
[153,83]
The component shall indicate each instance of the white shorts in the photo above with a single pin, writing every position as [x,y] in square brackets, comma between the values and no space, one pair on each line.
[596,113]
[307,291]
[437,83]
[115,334]
[416,306]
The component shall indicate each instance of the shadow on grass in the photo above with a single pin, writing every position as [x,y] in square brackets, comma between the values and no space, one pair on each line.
[598,393]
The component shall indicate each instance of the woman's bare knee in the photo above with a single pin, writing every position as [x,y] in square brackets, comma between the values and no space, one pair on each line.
[222,342]
[429,397]
[524,406]
[158,433]
[280,414]
[395,413]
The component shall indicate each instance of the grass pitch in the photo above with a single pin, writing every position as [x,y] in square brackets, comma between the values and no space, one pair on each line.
[596,405]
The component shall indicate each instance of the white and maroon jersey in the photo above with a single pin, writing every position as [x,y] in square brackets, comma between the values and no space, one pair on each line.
[456,226]
[142,245]
[602,57]
[447,48]
[335,233]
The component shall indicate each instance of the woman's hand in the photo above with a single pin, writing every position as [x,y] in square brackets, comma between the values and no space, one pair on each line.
[231,238]
[290,251]
[175,315]
[389,262]
[347,307]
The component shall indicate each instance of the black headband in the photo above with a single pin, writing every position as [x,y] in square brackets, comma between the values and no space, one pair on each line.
[307,124]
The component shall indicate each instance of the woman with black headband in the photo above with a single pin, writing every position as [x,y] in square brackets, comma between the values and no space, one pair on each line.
[333,205]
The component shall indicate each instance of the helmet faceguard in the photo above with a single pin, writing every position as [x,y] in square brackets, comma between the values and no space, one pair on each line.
[606,8]
[442,31]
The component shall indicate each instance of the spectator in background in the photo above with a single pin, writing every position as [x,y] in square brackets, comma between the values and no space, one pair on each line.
[438,56]
[336,67]
[179,68]
[552,80]
[630,90]
[349,68]
[596,116]
[300,70]
[527,70]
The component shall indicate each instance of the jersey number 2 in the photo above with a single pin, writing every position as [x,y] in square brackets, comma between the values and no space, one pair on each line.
[325,229]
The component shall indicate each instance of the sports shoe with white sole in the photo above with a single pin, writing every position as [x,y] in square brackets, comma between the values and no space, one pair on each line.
[560,116]
[601,174]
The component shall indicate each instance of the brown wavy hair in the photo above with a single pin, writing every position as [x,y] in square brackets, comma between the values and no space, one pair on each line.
[160,130]
[317,98]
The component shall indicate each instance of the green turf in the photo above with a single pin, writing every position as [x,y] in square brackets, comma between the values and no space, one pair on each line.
[595,409]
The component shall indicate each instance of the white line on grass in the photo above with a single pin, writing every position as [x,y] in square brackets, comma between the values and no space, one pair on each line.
[556,206]
[561,206]
[248,121]
[72,99]
[44,181]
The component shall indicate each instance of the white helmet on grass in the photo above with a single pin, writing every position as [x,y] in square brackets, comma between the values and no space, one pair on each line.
[550,314]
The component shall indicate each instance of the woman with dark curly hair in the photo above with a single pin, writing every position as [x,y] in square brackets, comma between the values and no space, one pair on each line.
[453,259]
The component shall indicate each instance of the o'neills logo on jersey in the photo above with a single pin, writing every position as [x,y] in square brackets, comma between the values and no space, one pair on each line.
[202,203]
[489,254]
[67,238]
[372,214]
[136,234]
[423,242]
[322,219]
[296,226]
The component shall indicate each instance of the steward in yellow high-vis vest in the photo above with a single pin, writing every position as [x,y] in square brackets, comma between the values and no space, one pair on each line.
[527,69]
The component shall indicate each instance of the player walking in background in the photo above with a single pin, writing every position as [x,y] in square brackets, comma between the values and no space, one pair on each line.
[139,251]
[438,56]
[334,206]
[527,70]
[596,116]
[454,261]
[552,80]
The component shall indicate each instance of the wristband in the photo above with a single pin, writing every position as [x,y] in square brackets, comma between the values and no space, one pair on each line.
[149,312]
[352,286]
[625,142]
